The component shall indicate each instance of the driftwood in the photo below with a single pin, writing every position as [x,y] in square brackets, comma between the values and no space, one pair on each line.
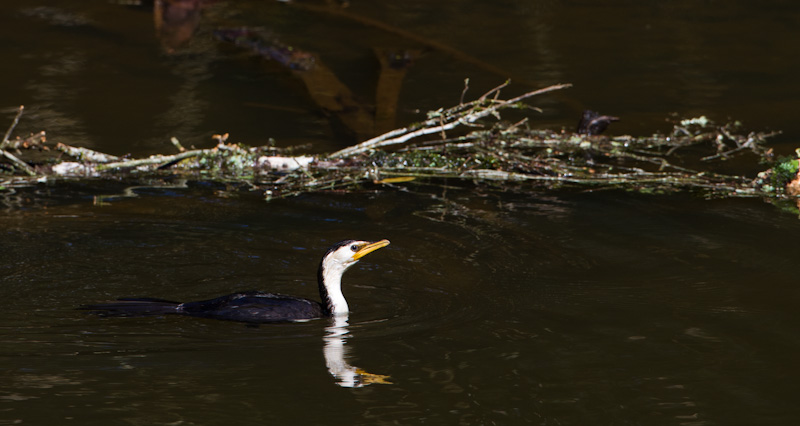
[467,147]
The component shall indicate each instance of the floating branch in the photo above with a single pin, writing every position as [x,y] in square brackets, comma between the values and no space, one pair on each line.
[484,152]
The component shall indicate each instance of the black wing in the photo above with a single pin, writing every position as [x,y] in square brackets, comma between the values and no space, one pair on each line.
[254,307]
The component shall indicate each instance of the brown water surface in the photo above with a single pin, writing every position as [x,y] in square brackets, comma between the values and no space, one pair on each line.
[552,308]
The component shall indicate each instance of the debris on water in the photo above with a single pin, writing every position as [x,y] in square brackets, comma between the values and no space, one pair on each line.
[459,143]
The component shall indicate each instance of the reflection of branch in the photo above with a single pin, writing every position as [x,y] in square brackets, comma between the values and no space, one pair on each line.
[333,96]
[176,21]
[393,70]
[408,35]
[324,87]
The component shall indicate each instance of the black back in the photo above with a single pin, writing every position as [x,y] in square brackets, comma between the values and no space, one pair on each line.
[254,307]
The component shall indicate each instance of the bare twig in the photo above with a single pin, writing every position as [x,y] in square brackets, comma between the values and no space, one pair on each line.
[430,126]
[464,92]
[153,160]
[723,154]
[496,90]
[177,144]
[11,157]
[33,140]
[11,128]
[19,163]
[86,154]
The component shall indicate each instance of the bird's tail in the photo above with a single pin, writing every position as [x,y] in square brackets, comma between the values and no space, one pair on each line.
[134,307]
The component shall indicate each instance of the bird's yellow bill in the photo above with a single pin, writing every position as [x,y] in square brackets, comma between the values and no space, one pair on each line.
[369,248]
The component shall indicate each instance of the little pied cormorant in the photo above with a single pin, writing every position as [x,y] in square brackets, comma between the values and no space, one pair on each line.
[256,306]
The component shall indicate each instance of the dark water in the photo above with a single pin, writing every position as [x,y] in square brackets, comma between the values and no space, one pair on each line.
[582,308]
[553,308]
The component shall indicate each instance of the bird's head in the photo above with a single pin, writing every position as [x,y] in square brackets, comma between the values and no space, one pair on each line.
[336,260]
[345,254]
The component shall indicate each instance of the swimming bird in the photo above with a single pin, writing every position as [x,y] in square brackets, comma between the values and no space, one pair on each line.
[256,306]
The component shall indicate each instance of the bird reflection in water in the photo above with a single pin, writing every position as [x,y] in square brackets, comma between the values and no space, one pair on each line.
[335,351]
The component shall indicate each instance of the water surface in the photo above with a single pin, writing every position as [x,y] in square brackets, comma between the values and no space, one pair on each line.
[607,308]
[489,306]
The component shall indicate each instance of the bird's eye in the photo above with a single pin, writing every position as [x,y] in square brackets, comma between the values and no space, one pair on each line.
[354,248]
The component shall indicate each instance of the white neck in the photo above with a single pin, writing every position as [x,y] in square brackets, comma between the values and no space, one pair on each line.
[333,284]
